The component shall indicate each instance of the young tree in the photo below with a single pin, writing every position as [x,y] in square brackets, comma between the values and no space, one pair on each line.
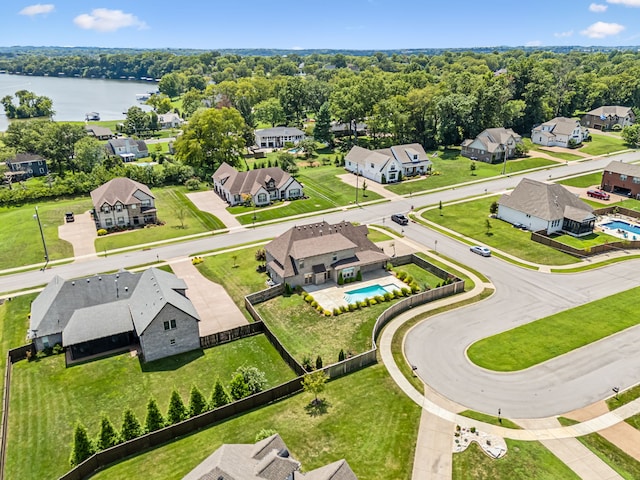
[287,162]
[219,397]
[197,403]
[130,426]
[108,437]
[364,188]
[82,446]
[315,383]
[319,361]
[493,208]
[180,212]
[473,167]
[177,411]
[308,146]
[440,207]
[154,420]
[322,130]
[488,226]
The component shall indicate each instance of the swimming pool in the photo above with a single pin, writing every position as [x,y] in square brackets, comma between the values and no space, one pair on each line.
[619,225]
[356,296]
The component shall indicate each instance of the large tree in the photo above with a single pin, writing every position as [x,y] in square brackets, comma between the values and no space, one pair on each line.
[89,152]
[137,121]
[59,141]
[322,129]
[211,137]
[171,84]
[269,111]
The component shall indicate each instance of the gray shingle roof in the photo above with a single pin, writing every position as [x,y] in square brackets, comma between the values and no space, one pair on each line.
[280,132]
[250,181]
[542,200]
[120,189]
[610,111]
[405,154]
[493,138]
[360,156]
[339,470]
[99,131]
[622,168]
[560,125]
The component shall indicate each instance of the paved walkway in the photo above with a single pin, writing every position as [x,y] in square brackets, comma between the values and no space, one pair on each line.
[433,456]
[217,310]
[81,234]
[210,202]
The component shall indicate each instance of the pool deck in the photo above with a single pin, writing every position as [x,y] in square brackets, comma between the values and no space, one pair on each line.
[617,232]
[331,295]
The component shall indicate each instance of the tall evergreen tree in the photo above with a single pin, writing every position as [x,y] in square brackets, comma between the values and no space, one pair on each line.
[108,437]
[154,420]
[322,129]
[82,446]
[219,397]
[177,411]
[197,403]
[130,426]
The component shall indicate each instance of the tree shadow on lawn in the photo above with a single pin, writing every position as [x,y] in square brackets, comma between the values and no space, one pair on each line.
[171,363]
[317,407]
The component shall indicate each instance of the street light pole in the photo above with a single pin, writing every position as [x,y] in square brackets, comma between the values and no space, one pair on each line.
[357,175]
[504,162]
[44,244]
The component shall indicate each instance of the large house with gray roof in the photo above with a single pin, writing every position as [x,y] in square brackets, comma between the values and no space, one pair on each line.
[268,459]
[277,137]
[621,178]
[101,313]
[546,207]
[123,202]
[559,132]
[388,165]
[319,252]
[260,186]
[605,117]
[128,149]
[491,145]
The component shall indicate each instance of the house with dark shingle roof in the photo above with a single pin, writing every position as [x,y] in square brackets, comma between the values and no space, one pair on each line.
[491,145]
[621,178]
[546,207]
[277,137]
[388,165]
[268,459]
[127,148]
[605,117]
[26,165]
[101,313]
[123,202]
[261,185]
[101,133]
[559,132]
[319,252]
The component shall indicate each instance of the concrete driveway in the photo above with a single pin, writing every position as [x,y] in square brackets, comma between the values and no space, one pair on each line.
[211,203]
[82,235]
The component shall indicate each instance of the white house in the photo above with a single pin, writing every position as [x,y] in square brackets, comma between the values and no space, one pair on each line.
[388,165]
[547,207]
[278,136]
[559,132]
[169,120]
[261,185]
[127,148]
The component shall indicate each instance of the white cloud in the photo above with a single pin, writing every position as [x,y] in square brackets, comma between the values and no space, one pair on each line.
[37,9]
[105,20]
[627,3]
[563,34]
[597,8]
[533,43]
[602,29]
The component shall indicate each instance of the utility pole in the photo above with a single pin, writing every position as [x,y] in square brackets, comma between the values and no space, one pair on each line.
[44,244]
[504,162]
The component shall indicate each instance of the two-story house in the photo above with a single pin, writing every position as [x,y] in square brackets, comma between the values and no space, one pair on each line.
[605,117]
[559,132]
[277,137]
[260,186]
[621,178]
[127,148]
[169,120]
[388,165]
[491,145]
[319,252]
[26,165]
[123,202]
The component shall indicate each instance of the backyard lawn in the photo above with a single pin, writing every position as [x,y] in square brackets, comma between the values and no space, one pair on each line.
[583,181]
[587,241]
[451,168]
[602,144]
[549,337]
[470,219]
[39,445]
[20,241]
[370,422]
[171,202]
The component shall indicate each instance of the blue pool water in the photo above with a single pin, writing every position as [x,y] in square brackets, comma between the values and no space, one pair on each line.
[627,227]
[355,296]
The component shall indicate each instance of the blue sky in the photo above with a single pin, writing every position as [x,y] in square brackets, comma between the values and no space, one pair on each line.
[335,24]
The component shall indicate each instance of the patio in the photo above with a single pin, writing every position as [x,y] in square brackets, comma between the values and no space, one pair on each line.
[330,295]
[619,226]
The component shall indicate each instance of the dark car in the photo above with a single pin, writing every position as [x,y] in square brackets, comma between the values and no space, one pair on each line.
[399,218]
[68,217]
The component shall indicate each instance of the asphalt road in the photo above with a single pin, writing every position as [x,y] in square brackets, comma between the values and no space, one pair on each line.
[437,346]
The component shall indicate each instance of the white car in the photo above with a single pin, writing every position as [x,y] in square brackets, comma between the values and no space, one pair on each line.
[484,251]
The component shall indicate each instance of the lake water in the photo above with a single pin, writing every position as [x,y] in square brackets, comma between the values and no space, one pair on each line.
[74,97]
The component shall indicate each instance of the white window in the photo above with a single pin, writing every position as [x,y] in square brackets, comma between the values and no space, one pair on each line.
[42,170]
[133,207]
[120,220]
[106,209]
[146,203]
[623,177]
[108,222]
[308,278]
[636,179]
[301,262]
[118,208]
[262,197]
[372,166]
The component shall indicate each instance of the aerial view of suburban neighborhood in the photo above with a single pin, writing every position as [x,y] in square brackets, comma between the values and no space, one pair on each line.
[334,242]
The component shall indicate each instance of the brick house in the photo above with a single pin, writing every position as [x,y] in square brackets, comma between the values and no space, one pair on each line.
[605,117]
[621,178]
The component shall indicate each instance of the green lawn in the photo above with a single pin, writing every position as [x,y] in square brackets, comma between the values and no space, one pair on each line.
[39,444]
[470,219]
[370,422]
[20,241]
[583,181]
[544,339]
[624,397]
[490,419]
[603,144]
[170,201]
[378,236]
[451,168]
[587,241]
[624,464]
[324,189]
[523,461]
[533,147]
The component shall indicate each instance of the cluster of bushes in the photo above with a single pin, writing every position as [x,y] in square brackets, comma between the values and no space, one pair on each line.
[342,280]
[57,349]
[197,260]
[244,382]
[309,366]
[311,301]
[408,279]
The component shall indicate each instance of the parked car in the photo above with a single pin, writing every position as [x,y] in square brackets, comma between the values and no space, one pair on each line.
[480,250]
[400,218]
[68,217]
[598,194]
[521,226]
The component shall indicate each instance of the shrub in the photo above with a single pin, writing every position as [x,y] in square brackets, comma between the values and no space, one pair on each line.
[154,420]
[353,307]
[197,403]
[306,363]
[57,349]
[238,387]
[318,362]
[344,308]
[264,433]
[327,313]
[219,397]
[359,276]
[108,437]
[308,298]
[287,289]
[372,302]
[314,304]
[130,426]
[340,279]
[414,287]
[247,381]
[319,309]
[472,429]
[192,184]
[82,446]
[406,291]
[341,355]
[408,280]
[379,298]
[102,232]
[388,296]
[397,293]
[177,411]
[362,304]
[401,274]
[197,260]
[336,312]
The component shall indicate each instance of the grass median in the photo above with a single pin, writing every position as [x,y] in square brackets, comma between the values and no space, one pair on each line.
[549,337]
